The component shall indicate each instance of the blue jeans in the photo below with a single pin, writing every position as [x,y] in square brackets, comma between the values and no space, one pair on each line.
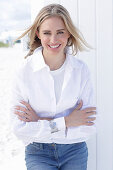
[40,156]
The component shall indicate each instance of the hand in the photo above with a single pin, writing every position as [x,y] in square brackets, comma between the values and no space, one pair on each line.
[27,114]
[80,117]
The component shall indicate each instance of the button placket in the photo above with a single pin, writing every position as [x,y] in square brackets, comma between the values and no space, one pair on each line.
[53,97]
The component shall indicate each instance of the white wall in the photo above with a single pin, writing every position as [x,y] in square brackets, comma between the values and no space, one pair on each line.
[94,19]
[104,55]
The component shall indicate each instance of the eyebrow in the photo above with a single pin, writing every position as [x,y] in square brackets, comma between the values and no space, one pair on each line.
[56,30]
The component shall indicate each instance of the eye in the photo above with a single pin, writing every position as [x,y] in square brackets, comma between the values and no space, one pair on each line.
[61,32]
[46,33]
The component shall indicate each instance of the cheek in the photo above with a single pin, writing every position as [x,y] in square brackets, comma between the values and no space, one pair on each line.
[64,39]
[44,40]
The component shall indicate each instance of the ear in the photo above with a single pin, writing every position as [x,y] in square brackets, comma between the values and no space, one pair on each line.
[37,33]
[69,35]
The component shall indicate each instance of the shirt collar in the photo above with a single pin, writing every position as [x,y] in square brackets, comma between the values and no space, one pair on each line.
[38,62]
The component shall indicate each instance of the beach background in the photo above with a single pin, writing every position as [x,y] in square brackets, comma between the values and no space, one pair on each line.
[11,149]
[12,24]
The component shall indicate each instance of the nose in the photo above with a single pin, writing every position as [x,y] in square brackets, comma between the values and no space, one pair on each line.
[53,39]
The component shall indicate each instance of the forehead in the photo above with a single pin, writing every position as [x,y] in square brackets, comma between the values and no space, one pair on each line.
[52,23]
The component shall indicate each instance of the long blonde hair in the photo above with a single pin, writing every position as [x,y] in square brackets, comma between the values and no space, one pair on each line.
[76,40]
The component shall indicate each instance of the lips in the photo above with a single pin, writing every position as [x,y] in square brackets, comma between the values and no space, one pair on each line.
[54,46]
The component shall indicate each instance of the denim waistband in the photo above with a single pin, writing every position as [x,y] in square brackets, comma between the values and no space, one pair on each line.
[56,145]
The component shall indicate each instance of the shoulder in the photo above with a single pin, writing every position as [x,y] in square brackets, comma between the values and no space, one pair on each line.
[80,67]
[79,64]
[23,68]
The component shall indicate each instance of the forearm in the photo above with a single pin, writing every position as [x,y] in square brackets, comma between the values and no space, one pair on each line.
[39,129]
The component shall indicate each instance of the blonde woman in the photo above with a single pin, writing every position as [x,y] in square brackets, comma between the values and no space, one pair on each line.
[53,106]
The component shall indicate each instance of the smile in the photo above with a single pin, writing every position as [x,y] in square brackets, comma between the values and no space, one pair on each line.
[54,46]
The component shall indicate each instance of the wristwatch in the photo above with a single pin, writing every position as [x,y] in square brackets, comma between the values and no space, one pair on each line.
[53,126]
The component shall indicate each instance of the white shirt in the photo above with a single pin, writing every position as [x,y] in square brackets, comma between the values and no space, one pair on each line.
[58,77]
[33,83]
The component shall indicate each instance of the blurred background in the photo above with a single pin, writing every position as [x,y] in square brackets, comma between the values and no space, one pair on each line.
[94,18]
[15,17]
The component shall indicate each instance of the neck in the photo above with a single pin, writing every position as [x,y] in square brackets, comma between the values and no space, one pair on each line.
[54,61]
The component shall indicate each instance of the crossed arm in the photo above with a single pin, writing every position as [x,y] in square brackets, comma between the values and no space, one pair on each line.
[77,117]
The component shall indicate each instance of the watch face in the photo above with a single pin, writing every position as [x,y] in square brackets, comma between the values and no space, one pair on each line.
[53,126]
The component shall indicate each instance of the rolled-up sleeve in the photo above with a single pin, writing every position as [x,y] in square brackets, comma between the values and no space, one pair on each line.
[88,98]
[25,131]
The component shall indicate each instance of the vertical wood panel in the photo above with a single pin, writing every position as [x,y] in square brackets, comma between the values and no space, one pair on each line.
[105,83]
[87,27]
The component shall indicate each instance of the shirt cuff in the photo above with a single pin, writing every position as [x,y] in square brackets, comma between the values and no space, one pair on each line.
[57,125]
[60,123]
[57,128]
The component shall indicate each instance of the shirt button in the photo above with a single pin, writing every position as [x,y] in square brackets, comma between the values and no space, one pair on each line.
[53,144]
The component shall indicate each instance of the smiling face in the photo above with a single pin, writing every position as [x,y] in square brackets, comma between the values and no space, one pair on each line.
[53,35]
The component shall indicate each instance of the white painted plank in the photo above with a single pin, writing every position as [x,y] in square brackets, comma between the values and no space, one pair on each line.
[87,27]
[105,83]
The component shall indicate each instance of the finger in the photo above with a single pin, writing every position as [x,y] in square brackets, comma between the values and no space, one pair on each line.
[91,119]
[22,114]
[89,109]
[23,109]
[89,123]
[91,113]
[23,119]
[27,105]
[79,106]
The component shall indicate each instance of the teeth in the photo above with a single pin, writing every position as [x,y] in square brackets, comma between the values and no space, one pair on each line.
[55,46]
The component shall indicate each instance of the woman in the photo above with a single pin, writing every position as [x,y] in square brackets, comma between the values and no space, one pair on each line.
[53,106]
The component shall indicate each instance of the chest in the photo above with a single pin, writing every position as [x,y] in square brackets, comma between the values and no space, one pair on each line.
[41,92]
